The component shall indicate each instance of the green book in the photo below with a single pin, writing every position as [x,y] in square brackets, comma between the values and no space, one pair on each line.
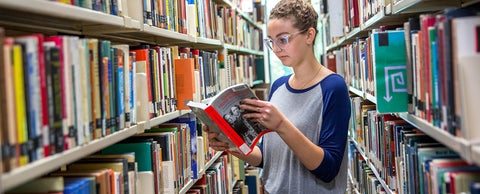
[143,153]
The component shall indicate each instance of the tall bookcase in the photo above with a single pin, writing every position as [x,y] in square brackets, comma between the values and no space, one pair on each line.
[350,28]
[238,37]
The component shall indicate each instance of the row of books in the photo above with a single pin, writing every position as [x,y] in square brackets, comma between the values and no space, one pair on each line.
[404,159]
[357,12]
[426,67]
[114,7]
[164,159]
[207,19]
[346,15]
[218,179]
[59,92]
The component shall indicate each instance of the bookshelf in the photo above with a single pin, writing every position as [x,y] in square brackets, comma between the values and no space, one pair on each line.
[22,17]
[394,13]
[202,171]
[38,168]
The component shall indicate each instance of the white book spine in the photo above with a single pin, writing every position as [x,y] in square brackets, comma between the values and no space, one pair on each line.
[141,97]
[192,20]
[67,82]
[86,102]
[77,94]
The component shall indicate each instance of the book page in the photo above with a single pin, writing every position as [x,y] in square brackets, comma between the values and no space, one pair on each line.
[227,104]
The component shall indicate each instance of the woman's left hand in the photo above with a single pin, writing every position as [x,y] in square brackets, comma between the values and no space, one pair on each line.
[263,112]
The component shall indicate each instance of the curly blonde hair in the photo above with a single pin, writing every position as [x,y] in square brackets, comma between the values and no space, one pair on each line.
[301,12]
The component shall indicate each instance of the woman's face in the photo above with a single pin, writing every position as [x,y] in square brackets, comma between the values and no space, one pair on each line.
[286,41]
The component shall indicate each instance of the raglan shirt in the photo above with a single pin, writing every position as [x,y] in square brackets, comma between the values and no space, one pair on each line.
[321,112]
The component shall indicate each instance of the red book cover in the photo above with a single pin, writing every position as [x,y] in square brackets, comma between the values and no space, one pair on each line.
[427,21]
[223,115]
[355,18]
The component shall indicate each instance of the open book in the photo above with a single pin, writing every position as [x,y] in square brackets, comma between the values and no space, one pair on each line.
[224,116]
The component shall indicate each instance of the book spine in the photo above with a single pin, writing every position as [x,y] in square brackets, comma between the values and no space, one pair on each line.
[113,87]
[69,113]
[32,96]
[95,88]
[86,100]
[78,102]
[9,131]
[131,103]
[57,113]
[120,93]
[22,128]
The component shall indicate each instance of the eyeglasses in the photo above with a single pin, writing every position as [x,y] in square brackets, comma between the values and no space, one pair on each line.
[282,41]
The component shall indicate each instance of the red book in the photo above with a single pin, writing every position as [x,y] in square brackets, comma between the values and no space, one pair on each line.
[427,21]
[223,115]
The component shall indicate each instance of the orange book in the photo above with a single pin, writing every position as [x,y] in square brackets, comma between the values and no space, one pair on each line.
[95,88]
[184,82]
[106,95]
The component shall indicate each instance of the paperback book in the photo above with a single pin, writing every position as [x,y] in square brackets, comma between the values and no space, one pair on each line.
[224,116]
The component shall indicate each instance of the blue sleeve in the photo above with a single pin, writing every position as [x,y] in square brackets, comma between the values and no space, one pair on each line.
[333,136]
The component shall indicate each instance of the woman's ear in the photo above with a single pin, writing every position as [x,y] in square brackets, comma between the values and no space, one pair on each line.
[311,32]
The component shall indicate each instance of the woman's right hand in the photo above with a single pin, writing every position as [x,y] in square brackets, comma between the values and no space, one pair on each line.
[213,141]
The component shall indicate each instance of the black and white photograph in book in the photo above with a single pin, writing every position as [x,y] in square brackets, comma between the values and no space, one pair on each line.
[247,128]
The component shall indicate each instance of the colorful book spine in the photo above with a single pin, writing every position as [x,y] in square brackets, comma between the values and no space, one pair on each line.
[22,128]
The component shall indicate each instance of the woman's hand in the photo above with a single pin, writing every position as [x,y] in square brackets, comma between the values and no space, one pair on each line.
[213,141]
[263,112]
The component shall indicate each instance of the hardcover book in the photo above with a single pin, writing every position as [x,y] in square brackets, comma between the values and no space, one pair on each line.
[223,115]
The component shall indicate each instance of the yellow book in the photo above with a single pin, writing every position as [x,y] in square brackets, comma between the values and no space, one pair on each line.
[167,13]
[19,85]
[65,1]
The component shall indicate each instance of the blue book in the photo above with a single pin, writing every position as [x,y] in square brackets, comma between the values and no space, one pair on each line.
[77,186]
[475,188]
[190,119]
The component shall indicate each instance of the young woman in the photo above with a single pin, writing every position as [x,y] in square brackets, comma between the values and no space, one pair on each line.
[309,111]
